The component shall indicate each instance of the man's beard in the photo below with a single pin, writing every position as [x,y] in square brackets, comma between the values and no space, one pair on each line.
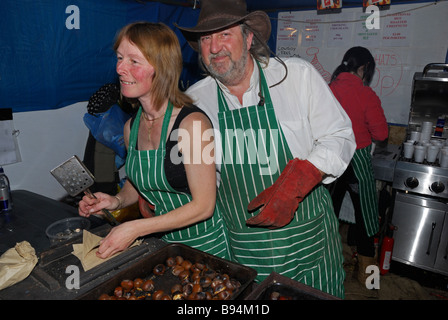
[236,69]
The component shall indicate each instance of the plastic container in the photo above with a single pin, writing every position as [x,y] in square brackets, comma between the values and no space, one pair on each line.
[65,229]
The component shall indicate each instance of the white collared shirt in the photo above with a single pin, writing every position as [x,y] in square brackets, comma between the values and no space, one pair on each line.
[315,125]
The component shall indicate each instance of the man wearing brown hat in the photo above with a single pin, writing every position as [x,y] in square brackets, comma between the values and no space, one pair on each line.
[280,134]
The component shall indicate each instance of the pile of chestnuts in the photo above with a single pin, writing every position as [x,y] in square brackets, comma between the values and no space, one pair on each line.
[195,281]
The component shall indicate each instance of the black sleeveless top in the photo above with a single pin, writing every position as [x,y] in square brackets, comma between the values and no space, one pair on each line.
[175,172]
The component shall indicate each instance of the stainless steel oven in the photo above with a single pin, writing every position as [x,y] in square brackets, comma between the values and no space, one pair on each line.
[421,235]
[420,211]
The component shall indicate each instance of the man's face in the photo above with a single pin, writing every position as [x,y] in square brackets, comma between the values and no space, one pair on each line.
[225,54]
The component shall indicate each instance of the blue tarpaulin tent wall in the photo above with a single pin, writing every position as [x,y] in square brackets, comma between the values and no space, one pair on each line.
[59,52]
[55,53]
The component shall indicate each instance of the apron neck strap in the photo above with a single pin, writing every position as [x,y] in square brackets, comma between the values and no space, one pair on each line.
[165,125]
[264,95]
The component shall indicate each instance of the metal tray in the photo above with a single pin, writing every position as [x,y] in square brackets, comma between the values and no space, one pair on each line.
[143,269]
[288,288]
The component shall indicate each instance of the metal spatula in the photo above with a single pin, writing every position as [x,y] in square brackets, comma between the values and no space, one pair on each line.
[75,178]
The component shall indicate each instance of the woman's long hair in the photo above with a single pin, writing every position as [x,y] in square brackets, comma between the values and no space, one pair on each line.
[353,59]
[160,46]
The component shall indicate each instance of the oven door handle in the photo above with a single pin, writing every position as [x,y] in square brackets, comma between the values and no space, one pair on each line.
[428,251]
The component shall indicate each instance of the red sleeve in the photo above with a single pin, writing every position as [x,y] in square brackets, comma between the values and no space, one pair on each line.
[374,115]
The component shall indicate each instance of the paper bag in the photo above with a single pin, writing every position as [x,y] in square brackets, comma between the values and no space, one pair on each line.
[16,264]
[86,251]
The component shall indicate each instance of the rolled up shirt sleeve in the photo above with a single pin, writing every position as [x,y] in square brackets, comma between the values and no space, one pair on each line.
[316,127]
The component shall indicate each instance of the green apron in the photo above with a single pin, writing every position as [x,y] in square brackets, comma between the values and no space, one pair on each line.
[255,152]
[146,171]
[362,167]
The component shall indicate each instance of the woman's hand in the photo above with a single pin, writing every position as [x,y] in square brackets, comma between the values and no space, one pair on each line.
[89,205]
[118,239]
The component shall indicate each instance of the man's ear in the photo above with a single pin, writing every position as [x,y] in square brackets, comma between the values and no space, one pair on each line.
[249,39]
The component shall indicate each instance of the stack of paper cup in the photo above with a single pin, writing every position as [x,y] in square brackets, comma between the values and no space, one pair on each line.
[415,135]
[419,154]
[432,153]
[438,144]
[427,131]
[408,148]
[444,157]
[426,145]
[442,150]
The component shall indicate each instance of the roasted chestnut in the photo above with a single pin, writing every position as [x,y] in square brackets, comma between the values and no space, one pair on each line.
[187,289]
[224,295]
[210,273]
[197,288]
[127,285]
[205,282]
[194,268]
[195,276]
[178,295]
[148,285]
[219,288]
[184,275]
[118,292]
[140,294]
[186,264]
[197,296]
[170,262]
[199,266]
[165,297]
[104,296]
[159,269]
[138,283]
[179,260]
[216,282]
[158,295]
[176,288]
[177,270]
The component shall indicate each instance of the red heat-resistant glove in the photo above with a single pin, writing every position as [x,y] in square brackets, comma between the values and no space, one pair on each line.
[146,208]
[280,201]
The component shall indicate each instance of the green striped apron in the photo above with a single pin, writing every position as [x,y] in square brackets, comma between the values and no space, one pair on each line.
[145,169]
[363,169]
[255,152]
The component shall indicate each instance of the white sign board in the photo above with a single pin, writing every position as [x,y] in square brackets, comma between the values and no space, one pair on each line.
[407,37]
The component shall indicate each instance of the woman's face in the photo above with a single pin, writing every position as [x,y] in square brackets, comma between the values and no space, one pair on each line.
[135,72]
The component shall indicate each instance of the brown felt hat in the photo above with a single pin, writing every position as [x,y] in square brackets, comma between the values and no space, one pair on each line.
[220,14]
